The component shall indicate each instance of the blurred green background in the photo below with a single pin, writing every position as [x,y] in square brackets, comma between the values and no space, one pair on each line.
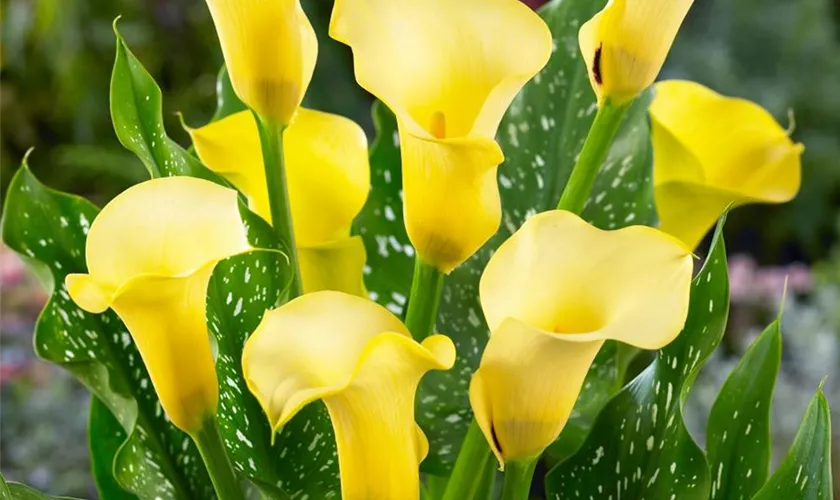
[56,58]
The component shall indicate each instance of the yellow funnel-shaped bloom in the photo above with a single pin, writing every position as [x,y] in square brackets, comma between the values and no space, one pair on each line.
[711,151]
[625,45]
[448,70]
[270,51]
[328,178]
[552,294]
[150,254]
[362,362]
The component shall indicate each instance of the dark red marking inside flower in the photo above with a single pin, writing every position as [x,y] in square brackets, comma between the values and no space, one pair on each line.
[495,438]
[596,65]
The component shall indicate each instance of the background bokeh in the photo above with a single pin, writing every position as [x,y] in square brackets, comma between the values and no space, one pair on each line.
[55,64]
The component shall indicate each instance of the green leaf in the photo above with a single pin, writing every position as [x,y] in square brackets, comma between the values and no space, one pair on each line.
[604,379]
[49,228]
[105,436]
[22,492]
[227,102]
[5,493]
[390,256]
[303,460]
[639,447]
[18,491]
[137,113]
[541,135]
[805,473]
[738,438]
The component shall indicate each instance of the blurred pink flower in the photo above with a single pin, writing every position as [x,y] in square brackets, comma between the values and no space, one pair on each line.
[12,268]
[21,295]
[10,371]
[750,284]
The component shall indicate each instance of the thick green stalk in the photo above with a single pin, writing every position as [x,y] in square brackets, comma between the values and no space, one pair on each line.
[212,450]
[592,156]
[424,300]
[469,479]
[271,141]
[518,477]
[484,488]
[434,486]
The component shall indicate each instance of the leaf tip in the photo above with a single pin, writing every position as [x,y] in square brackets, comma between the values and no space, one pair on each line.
[717,237]
[24,163]
[820,387]
[783,301]
[184,125]
[115,28]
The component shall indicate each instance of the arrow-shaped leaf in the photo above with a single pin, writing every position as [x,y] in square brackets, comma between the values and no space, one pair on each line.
[738,438]
[805,473]
[137,114]
[49,228]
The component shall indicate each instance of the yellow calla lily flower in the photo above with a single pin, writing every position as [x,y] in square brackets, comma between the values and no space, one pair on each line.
[448,70]
[334,266]
[328,176]
[625,45]
[150,254]
[552,294]
[710,151]
[270,51]
[362,362]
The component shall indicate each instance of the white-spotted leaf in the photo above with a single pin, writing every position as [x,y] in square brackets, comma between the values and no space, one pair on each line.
[303,460]
[137,115]
[49,229]
[738,439]
[805,473]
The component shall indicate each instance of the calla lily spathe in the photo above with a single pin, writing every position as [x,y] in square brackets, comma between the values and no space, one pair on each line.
[328,177]
[150,254]
[270,51]
[711,151]
[625,45]
[552,294]
[448,70]
[362,362]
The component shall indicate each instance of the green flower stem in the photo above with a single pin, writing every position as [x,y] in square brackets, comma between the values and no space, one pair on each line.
[518,477]
[212,450]
[271,140]
[434,487]
[592,156]
[424,300]
[469,480]
[484,491]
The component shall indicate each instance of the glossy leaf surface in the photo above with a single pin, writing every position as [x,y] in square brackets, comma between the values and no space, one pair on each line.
[805,473]
[49,229]
[738,439]
[105,437]
[137,115]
